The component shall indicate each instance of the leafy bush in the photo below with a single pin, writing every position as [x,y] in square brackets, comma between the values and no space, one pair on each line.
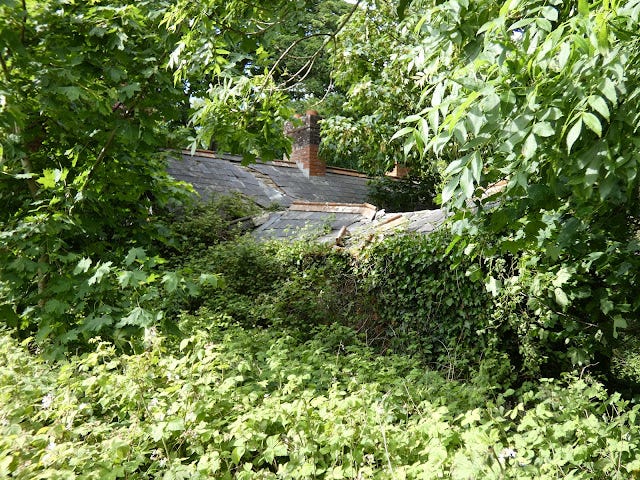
[208,223]
[571,305]
[226,402]
[404,194]
[297,285]
[425,301]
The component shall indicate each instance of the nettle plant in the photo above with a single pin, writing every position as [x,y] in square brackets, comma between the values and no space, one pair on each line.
[542,96]
[232,403]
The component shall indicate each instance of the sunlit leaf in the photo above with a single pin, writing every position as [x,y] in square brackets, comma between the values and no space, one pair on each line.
[599,105]
[591,121]
[450,188]
[466,182]
[573,134]
[529,147]
[83,266]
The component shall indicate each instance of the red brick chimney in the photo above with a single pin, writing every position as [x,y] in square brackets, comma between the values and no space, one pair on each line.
[306,143]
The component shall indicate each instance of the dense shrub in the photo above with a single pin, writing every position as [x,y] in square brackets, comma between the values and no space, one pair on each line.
[457,302]
[297,285]
[226,402]
[427,300]
[207,223]
[405,194]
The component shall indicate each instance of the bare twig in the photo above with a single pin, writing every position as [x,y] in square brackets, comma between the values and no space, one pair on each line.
[297,42]
[309,64]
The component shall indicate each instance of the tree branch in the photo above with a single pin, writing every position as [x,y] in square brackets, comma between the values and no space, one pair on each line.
[292,46]
[31,183]
[24,20]
[306,68]
[100,159]
[5,68]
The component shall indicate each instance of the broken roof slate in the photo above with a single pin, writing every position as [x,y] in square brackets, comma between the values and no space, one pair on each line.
[322,222]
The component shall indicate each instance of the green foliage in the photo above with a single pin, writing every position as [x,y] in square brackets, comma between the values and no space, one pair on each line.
[404,194]
[226,402]
[82,171]
[371,58]
[300,51]
[208,223]
[544,96]
[92,94]
[299,285]
[428,300]
[625,365]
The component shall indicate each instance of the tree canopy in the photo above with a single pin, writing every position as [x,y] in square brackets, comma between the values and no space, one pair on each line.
[541,96]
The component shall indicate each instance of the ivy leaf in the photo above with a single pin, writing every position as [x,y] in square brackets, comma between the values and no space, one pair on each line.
[573,134]
[493,286]
[237,453]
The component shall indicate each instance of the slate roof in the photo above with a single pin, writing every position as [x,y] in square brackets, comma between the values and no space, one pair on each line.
[322,222]
[423,221]
[327,209]
[266,183]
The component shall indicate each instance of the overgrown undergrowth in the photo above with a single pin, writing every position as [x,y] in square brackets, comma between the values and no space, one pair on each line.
[305,361]
[233,402]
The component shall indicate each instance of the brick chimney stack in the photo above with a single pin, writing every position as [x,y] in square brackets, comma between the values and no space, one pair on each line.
[399,171]
[306,143]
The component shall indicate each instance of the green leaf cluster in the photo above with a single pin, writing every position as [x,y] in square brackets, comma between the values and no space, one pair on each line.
[228,402]
[533,107]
